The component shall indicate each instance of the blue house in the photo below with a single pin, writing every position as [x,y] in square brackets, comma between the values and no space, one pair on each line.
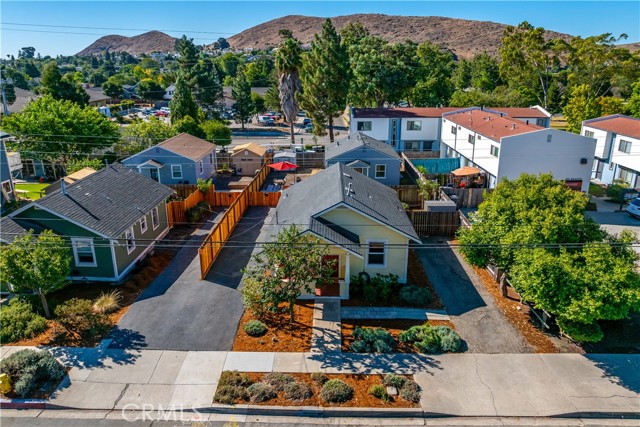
[368,156]
[6,180]
[178,160]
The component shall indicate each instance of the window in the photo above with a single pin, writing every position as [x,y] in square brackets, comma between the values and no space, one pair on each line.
[414,125]
[626,176]
[176,171]
[211,158]
[479,136]
[364,126]
[588,134]
[155,221]
[143,224]
[130,241]
[381,171]
[83,252]
[453,130]
[611,166]
[376,255]
[411,145]
[549,137]
[361,170]
[495,151]
[472,139]
[624,146]
[200,166]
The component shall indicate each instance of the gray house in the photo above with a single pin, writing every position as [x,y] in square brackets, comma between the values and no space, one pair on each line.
[368,156]
[6,181]
[178,160]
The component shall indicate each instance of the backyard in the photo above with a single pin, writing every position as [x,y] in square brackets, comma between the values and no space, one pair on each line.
[32,191]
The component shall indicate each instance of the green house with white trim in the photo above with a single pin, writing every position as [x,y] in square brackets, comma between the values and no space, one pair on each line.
[111,220]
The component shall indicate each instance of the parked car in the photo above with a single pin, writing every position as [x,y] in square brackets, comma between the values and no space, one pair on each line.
[302,113]
[161,113]
[265,121]
[309,128]
[166,109]
[634,207]
[306,121]
[274,115]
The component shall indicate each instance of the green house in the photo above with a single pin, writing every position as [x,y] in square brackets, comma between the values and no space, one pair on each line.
[111,219]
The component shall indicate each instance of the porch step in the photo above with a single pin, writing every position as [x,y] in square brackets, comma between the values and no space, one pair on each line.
[327,326]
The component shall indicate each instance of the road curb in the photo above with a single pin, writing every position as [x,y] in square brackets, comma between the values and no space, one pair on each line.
[23,403]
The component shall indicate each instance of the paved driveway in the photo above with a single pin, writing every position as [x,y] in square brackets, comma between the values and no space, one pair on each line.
[471,308]
[178,311]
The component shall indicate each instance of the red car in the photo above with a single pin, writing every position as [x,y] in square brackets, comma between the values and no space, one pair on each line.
[161,113]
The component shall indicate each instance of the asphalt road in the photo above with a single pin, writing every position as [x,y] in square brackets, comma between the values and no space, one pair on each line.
[178,311]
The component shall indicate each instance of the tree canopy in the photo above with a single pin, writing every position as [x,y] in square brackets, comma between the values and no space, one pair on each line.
[62,87]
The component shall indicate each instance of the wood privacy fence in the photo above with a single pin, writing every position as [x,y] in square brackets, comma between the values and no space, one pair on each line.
[409,194]
[435,223]
[466,197]
[177,210]
[183,190]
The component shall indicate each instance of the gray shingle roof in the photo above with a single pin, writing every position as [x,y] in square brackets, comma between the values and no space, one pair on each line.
[328,188]
[108,201]
[336,234]
[361,140]
[9,230]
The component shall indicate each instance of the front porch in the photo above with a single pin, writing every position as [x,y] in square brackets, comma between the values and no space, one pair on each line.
[339,287]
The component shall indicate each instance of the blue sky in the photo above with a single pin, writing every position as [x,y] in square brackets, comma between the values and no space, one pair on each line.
[207,20]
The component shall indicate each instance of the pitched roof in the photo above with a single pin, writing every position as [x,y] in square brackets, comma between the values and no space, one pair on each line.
[108,201]
[360,141]
[520,113]
[305,200]
[251,146]
[23,97]
[397,112]
[10,230]
[490,125]
[618,123]
[96,94]
[188,146]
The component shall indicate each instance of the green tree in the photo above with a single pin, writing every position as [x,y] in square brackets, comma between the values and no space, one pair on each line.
[300,266]
[272,96]
[462,75]
[60,130]
[353,33]
[182,104]
[582,105]
[75,165]
[485,72]
[633,106]
[27,52]
[188,55]
[38,264]
[288,63]
[216,132]
[241,93]
[141,135]
[206,86]
[150,89]
[8,92]
[189,125]
[325,78]
[609,105]
[434,86]
[62,88]
[112,88]
[228,64]
[258,103]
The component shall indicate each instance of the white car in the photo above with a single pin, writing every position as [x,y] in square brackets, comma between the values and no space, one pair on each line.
[166,109]
[634,207]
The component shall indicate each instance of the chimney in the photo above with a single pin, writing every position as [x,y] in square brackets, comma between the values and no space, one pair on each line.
[63,190]
[513,125]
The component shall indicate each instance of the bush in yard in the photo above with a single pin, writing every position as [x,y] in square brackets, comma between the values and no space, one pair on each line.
[616,190]
[379,288]
[228,394]
[278,380]
[393,380]
[255,328]
[379,392]
[77,317]
[583,332]
[369,340]
[18,321]
[450,341]
[336,391]
[413,295]
[261,392]
[234,378]
[254,298]
[319,378]
[429,339]
[198,211]
[30,371]
[410,391]
[108,302]
[297,391]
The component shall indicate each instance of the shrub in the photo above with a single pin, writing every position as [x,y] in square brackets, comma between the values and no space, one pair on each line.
[336,391]
[30,371]
[393,380]
[449,340]
[255,328]
[359,346]
[77,317]
[379,391]
[234,378]
[617,189]
[369,340]
[228,394]
[204,185]
[413,295]
[297,391]
[108,302]
[278,380]
[18,321]
[582,332]
[319,378]
[254,297]
[410,391]
[379,287]
[261,392]
[429,339]
[197,212]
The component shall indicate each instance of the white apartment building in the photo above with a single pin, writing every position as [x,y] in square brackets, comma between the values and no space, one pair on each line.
[505,147]
[617,154]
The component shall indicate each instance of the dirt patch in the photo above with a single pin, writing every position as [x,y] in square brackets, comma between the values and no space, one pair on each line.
[393,326]
[359,382]
[282,336]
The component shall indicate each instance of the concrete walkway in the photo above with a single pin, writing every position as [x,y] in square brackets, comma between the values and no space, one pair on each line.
[392,313]
[327,327]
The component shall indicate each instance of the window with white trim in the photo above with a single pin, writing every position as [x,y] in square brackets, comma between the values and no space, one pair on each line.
[471,139]
[201,166]
[143,224]
[453,130]
[376,254]
[84,252]
[495,151]
[176,171]
[381,171]
[624,146]
[155,220]
[414,125]
[364,126]
[361,170]
[588,133]
[129,240]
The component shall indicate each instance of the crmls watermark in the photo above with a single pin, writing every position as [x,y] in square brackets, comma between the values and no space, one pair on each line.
[147,412]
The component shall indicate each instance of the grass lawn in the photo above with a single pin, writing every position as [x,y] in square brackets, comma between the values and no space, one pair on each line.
[33,191]
[596,190]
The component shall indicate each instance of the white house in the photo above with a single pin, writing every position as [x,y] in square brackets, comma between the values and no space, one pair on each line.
[617,153]
[168,92]
[418,129]
[502,146]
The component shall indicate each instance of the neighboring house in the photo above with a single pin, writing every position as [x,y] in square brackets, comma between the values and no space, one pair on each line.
[362,220]
[7,193]
[504,147]
[617,149]
[168,93]
[248,157]
[418,128]
[97,97]
[178,160]
[368,156]
[23,97]
[69,179]
[112,219]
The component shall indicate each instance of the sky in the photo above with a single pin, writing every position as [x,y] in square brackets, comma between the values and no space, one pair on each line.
[52,27]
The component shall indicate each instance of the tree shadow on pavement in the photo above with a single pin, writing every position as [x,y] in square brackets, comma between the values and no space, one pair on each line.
[620,369]
[397,363]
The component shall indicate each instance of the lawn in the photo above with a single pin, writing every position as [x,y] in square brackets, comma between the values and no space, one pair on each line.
[596,190]
[33,191]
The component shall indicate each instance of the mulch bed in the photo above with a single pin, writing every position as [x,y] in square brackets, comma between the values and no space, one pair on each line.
[359,382]
[415,276]
[282,336]
[393,326]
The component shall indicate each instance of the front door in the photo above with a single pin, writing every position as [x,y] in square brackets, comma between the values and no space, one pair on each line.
[331,289]
[153,173]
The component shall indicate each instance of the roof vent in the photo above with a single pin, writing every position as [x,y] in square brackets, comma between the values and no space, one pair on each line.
[63,190]
[349,190]
[346,174]
[513,125]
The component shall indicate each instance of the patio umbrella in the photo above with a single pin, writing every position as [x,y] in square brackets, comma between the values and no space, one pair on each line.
[283,166]
[466,171]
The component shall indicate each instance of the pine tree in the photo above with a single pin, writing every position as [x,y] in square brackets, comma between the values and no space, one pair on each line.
[241,92]
[325,78]
[182,103]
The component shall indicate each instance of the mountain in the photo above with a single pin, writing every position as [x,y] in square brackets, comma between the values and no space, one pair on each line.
[152,41]
[463,37]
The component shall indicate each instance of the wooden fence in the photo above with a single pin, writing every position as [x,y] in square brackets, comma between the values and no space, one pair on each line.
[177,210]
[434,223]
[183,190]
[409,194]
[466,197]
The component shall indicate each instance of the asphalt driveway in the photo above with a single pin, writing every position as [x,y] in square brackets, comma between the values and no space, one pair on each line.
[178,311]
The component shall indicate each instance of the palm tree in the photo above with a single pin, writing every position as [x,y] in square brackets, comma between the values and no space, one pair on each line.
[288,62]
